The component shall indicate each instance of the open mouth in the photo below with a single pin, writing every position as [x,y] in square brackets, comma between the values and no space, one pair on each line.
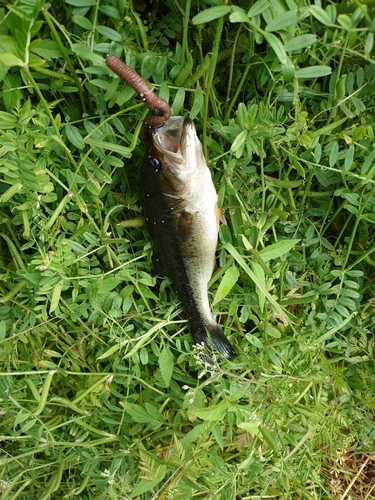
[175,138]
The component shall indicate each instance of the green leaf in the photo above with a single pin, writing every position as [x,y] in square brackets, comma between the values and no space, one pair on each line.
[213,413]
[367,163]
[352,198]
[116,148]
[178,102]
[143,415]
[194,434]
[238,15]
[166,363]
[218,436]
[352,210]
[369,217]
[7,120]
[197,104]
[300,42]
[91,238]
[369,45]
[327,129]
[109,33]
[358,104]
[288,70]
[250,427]
[3,330]
[140,342]
[334,154]
[239,141]
[184,72]
[148,67]
[107,284]
[296,164]
[242,114]
[277,46]
[359,132]
[278,249]
[20,12]
[272,331]
[318,152]
[81,3]
[10,60]
[74,136]
[227,283]
[86,53]
[77,247]
[269,438]
[55,299]
[253,339]
[345,21]
[10,192]
[211,14]
[349,158]
[29,424]
[83,22]
[11,94]
[260,275]
[146,485]
[284,20]
[312,72]
[320,14]
[259,7]
[110,11]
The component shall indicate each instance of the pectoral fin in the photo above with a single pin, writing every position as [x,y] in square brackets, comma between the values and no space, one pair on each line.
[218,215]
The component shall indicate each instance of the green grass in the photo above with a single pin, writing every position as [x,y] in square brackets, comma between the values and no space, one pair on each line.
[102,395]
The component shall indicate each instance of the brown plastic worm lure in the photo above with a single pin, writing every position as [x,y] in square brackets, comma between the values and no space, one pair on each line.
[153,102]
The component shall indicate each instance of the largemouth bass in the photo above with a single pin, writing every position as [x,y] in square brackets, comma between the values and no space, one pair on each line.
[182,217]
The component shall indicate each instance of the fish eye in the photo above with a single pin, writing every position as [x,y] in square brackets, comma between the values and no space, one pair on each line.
[154,163]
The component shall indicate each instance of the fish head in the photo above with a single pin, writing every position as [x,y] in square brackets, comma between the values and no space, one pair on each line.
[175,154]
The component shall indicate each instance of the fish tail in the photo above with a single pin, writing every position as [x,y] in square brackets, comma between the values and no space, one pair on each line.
[220,342]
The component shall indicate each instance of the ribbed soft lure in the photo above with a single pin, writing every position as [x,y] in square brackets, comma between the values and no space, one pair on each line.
[153,102]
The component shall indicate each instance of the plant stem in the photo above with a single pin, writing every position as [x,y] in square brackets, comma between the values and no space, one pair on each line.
[355,227]
[185,48]
[215,53]
[50,21]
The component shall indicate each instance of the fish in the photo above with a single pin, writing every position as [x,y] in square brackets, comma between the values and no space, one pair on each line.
[180,204]
[182,217]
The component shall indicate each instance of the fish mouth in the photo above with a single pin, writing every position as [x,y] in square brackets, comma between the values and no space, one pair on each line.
[177,141]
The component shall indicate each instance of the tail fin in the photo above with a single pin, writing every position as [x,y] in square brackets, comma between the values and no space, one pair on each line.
[220,342]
